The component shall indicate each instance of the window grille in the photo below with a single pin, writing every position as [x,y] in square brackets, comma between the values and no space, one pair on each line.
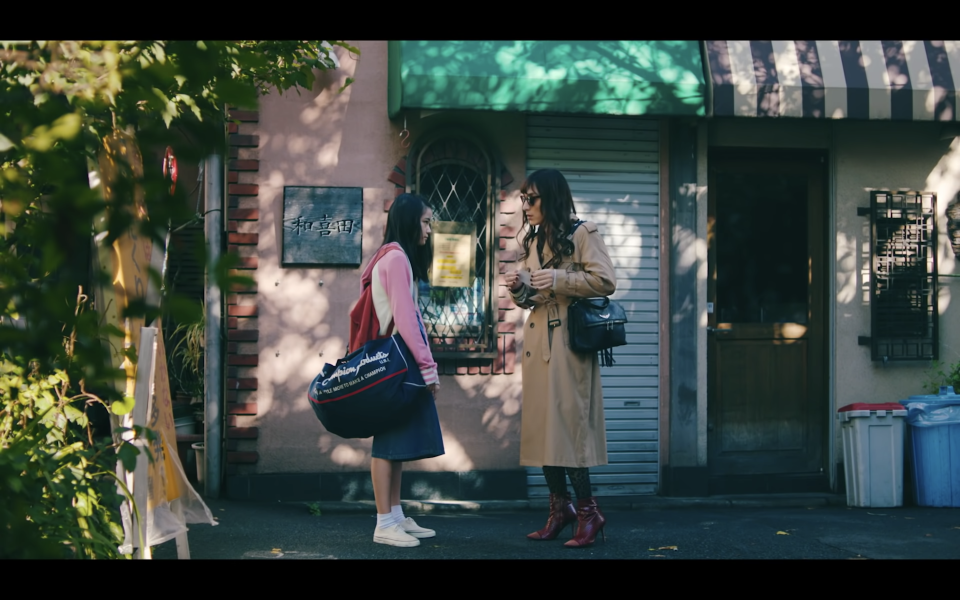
[456,176]
[903,277]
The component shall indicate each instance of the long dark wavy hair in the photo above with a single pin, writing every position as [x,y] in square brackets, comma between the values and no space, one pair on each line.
[403,227]
[556,206]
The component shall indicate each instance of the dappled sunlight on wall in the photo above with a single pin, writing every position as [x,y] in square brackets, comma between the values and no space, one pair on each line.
[865,265]
[692,255]
[846,269]
[945,177]
[619,231]
[301,358]
[316,142]
[346,455]
[873,156]
[497,421]
[455,458]
[945,180]
[354,455]
[316,139]
[501,419]
[485,414]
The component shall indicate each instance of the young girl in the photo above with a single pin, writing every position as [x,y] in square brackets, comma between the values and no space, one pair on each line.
[400,263]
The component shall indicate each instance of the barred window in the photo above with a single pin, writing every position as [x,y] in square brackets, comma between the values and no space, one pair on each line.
[903,276]
[459,179]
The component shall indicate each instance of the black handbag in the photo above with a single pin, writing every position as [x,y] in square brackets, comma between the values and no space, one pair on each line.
[596,325]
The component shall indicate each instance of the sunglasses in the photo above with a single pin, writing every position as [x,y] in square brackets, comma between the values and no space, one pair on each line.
[529,199]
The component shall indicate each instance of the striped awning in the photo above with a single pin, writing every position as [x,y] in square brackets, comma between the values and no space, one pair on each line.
[897,80]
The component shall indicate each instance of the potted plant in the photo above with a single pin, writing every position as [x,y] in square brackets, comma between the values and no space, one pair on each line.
[187,361]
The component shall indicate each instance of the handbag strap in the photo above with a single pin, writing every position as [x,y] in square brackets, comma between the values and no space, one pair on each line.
[577,224]
[572,230]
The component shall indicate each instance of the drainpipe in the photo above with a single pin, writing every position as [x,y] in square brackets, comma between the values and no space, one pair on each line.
[212,356]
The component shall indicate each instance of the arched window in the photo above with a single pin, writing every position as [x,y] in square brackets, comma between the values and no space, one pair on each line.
[460,179]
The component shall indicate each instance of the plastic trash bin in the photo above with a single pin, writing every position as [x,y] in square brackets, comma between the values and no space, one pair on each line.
[873,453]
[933,448]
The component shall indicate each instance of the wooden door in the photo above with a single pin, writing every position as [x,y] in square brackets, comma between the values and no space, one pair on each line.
[767,403]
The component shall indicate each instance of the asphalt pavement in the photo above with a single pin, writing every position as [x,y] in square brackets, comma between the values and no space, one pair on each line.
[750,528]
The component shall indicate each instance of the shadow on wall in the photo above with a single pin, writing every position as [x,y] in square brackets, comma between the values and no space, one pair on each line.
[853,252]
[298,318]
[862,167]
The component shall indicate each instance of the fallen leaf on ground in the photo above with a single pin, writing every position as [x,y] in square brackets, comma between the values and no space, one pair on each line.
[877,514]
[956,527]
[658,556]
[667,548]
[782,533]
[275,550]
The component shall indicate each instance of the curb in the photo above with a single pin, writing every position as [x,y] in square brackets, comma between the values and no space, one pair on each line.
[608,503]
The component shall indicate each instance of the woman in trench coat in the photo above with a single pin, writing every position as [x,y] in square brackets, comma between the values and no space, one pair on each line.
[562,424]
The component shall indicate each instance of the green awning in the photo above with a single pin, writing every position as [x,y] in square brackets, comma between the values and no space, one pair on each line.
[607,77]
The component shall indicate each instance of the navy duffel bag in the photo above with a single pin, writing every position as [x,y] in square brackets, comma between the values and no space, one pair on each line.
[369,391]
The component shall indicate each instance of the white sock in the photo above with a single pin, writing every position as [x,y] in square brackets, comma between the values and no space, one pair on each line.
[397,512]
[387,520]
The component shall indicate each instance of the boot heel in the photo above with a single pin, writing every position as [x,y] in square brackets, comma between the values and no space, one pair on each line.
[590,522]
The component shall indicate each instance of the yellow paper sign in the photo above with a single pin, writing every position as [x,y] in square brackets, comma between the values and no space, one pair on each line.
[451,260]
[454,247]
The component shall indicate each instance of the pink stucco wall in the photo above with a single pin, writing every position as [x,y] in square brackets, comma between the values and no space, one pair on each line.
[330,139]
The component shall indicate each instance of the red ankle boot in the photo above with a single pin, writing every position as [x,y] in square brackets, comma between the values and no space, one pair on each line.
[590,522]
[562,513]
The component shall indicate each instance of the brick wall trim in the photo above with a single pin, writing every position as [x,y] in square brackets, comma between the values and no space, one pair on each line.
[239,388]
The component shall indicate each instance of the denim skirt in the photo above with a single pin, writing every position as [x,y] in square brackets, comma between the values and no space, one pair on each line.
[418,437]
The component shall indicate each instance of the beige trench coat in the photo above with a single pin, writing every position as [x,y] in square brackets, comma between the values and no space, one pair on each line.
[562,422]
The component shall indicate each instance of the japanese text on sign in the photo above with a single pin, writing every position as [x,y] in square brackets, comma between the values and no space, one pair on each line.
[322,225]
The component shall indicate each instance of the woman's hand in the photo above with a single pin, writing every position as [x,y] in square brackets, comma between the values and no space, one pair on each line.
[516,279]
[544,279]
[434,389]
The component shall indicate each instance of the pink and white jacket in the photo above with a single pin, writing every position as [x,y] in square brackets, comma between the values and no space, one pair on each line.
[395,293]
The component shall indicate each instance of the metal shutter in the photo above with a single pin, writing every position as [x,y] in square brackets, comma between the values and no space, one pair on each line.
[613,167]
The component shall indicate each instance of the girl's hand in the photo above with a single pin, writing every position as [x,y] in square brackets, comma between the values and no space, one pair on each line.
[434,389]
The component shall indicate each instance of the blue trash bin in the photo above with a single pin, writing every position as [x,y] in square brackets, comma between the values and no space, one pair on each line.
[933,448]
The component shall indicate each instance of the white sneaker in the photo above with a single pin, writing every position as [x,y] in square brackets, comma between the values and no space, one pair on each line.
[411,527]
[394,536]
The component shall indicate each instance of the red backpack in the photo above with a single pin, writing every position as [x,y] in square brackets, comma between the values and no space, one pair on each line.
[364,325]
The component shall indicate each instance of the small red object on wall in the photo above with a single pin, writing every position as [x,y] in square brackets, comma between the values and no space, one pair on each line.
[170,168]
